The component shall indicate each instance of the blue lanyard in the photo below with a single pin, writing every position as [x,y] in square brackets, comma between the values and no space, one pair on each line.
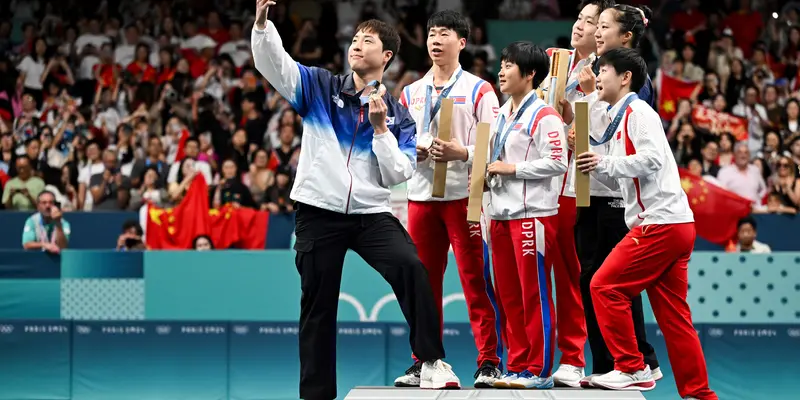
[430,114]
[609,133]
[500,139]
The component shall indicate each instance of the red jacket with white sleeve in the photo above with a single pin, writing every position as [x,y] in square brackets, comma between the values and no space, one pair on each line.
[537,146]
[639,162]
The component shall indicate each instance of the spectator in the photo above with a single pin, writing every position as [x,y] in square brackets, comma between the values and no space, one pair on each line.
[151,191]
[203,243]
[109,189]
[726,142]
[253,122]
[742,177]
[260,177]
[156,159]
[32,69]
[65,189]
[187,171]
[306,49]
[791,118]
[756,116]
[131,237]
[191,150]
[94,165]
[746,238]
[278,196]
[785,183]
[19,192]
[794,150]
[287,155]
[46,230]
[709,164]
[230,189]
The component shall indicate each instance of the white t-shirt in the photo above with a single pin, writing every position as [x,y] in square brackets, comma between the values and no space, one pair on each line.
[201,166]
[84,176]
[123,54]
[33,71]
[87,38]
[239,51]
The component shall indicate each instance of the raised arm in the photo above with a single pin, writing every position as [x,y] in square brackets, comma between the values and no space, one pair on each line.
[551,143]
[644,153]
[272,60]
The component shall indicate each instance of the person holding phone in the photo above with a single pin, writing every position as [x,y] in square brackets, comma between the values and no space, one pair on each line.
[46,230]
[358,142]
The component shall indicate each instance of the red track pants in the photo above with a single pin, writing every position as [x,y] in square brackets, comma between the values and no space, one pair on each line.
[570,321]
[653,258]
[521,253]
[434,226]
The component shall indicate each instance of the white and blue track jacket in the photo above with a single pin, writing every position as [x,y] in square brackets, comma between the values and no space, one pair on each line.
[343,166]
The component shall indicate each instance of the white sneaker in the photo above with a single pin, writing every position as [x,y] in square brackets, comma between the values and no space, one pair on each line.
[657,375]
[411,377]
[568,376]
[587,381]
[486,375]
[618,380]
[438,375]
[505,381]
[527,380]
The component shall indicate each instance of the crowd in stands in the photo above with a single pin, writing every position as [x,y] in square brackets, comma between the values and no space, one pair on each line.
[111,104]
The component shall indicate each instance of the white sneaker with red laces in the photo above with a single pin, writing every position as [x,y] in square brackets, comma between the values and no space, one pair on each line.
[618,380]
[438,375]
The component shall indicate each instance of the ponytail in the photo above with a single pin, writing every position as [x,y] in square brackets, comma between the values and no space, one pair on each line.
[634,20]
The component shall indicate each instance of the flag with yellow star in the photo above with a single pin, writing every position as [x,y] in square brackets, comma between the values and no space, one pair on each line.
[717,211]
[672,91]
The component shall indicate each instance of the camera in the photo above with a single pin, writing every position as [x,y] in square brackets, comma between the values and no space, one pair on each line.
[170,95]
[128,78]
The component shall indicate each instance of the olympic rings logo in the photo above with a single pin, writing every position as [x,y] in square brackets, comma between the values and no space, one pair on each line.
[383,301]
[6,329]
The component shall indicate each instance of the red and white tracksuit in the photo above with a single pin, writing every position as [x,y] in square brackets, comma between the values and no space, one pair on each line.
[523,209]
[571,323]
[437,224]
[654,255]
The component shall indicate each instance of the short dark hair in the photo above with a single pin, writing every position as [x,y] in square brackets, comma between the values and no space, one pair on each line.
[529,58]
[191,139]
[452,20]
[624,59]
[630,19]
[747,220]
[45,193]
[386,33]
[602,5]
[132,223]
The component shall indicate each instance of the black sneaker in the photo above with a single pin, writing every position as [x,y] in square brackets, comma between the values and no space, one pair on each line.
[411,378]
[486,375]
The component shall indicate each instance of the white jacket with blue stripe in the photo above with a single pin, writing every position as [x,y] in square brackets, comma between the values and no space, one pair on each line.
[344,167]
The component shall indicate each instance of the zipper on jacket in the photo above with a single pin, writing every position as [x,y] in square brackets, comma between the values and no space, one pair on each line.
[355,132]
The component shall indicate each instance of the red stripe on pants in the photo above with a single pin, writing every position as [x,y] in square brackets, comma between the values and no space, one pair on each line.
[434,226]
[570,321]
[516,271]
[653,258]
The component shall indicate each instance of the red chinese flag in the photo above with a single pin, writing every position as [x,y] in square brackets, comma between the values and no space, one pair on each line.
[716,210]
[240,228]
[224,227]
[181,144]
[253,225]
[176,228]
[672,91]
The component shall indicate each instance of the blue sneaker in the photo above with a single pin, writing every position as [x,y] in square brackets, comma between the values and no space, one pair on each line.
[527,380]
[505,381]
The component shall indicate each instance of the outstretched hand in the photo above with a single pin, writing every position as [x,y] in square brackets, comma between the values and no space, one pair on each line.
[262,8]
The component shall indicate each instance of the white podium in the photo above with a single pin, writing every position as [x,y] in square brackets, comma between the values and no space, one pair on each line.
[392,393]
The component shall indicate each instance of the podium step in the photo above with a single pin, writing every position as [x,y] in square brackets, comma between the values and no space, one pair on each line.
[392,393]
